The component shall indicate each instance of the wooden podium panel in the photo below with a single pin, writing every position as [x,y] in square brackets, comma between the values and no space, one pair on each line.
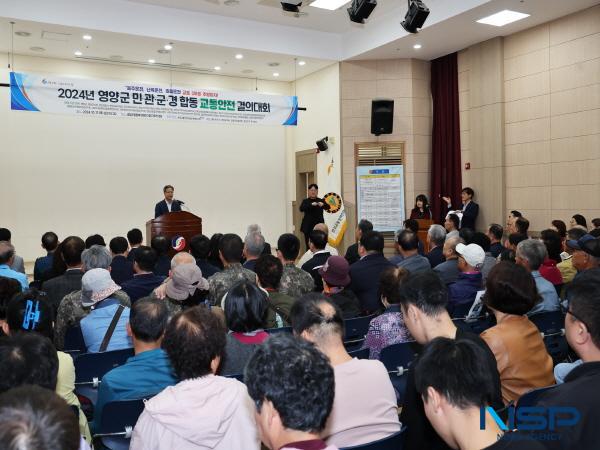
[424,225]
[170,225]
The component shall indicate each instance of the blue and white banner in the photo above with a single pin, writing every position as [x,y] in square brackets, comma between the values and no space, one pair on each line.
[30,92]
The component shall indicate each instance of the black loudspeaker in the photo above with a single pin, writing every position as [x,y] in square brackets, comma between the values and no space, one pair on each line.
[382,117]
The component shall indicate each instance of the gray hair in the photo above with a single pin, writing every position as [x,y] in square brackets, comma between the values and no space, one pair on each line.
[254,243]
[96,257]
[7,251]
[533,251]
[437,234]
[453,242]
[253,228]
[182,258]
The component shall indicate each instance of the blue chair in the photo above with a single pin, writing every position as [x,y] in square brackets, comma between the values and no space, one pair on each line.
[476,326]
[393,442]
[531,398]
[361,353]
[552,328]
[279,330]
[91,367]
[117,423]
[461,310]
[549,322]
[74,343]
[397,359]
[355,331]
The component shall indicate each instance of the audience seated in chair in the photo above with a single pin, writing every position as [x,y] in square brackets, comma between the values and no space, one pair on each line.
[495,232]
[531,253]
[202,410]
[268,271]
[423,300]
[56,288]
[523,361]
[411,259]
[121,269]
[245,307]
[254,245]
[309,253]
[388,328]
[7,256]
[161,245]
[489,261]
[553,243]
[230,253]
[364,226]
[144,280]
[317,241]
[452,224]
[364,407]
[566,268]
[28,312]
[366,272]
[200,249]
[44,263]
[455,384]
[135,239]
[448,270]
[32,417]
[436,237]
[470,261]
[17,263]
[97,293]
[149,371]
[292,386]
[295,282]
[71,311]
[336,279]
[586,254]
[9,287]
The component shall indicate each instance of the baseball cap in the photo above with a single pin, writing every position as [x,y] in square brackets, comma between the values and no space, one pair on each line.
[578,244]
[96,285]
[472,253]
[185,280]
[336,271]
[591,247]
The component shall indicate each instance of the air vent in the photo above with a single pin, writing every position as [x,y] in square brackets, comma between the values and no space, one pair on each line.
[52,36]
[379,154]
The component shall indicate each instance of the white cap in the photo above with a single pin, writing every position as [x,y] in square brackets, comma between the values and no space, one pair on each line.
[472,253]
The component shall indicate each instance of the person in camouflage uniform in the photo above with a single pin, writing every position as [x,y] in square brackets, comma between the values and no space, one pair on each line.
[230,251]
[295,282]
[71,311]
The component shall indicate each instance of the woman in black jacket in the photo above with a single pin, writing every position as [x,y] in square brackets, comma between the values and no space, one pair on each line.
[312,207]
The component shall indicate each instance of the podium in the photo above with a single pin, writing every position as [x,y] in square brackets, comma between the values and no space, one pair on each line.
[424,225]
[172,225]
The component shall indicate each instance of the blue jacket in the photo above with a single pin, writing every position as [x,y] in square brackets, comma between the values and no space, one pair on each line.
[464,289]
[7,272]
[143,375]
[42,264]
[121,269]
[94,326]
[365,280]
[141,285]
[208,270]
[547,291]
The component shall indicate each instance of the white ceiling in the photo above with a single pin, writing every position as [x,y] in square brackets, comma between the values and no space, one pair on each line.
[206,33]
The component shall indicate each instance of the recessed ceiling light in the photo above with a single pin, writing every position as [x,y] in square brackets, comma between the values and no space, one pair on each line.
[87,37]
[503,18]
[273,64]
[329,4]
[239,56]
[417,46]
[217,67]
[247,71]
[78,53]
[231,2]
[168,47]
[23,33]
[275,74]
[37,49]
[162,51]
[151,61]
[301,63]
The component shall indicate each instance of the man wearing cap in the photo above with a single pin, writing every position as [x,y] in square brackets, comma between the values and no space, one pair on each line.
[149,371]
[586,253]
[469,281]
[97,293]
[336,278]
[185,287]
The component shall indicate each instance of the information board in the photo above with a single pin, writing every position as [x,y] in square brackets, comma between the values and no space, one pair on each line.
[380,196]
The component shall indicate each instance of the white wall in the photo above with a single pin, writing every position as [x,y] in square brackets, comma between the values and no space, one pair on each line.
[84,175]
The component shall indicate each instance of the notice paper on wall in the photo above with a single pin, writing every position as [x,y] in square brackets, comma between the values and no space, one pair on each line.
[105,98]
[380,196]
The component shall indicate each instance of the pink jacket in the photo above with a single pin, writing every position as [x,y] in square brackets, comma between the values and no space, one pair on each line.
[210,412]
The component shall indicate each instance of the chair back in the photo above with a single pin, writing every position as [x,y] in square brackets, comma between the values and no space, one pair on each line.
[476,326]
[117,423]
[74,342]
[461,310]
[237,376]
[279,330]
[95,365]
[530,398]
[355,331]
[549,322]
[393,442]
[398,355]
[361,353]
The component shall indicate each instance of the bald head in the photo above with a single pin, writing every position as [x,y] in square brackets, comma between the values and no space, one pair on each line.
[318,317]
[7,251]
[450,247]
[182,258]
[321,227]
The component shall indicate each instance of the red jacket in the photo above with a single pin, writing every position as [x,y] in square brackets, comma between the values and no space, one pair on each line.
[550,272]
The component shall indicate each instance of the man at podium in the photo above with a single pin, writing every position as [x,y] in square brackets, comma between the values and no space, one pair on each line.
[169,204]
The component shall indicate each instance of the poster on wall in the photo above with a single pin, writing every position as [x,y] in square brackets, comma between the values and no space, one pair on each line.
[380,196]
[90,97]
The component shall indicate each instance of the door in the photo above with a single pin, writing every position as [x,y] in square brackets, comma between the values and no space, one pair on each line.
[306,174]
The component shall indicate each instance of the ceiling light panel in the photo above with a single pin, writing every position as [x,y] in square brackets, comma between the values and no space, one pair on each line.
[329,4]
[503,18]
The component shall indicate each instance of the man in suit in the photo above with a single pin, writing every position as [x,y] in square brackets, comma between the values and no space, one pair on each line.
[168,204]
[17,263]
[70,281]
[352,255]
[144,281]
[121,269]
[200,248]
[469,208]
[135,238]
[316,242]
[44,263]
[436,236]
[366,271]
[254,244]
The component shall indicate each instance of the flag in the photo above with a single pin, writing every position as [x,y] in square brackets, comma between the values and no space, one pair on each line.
[335,218]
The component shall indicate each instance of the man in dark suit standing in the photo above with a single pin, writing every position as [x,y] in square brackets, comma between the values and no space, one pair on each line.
[366,271]
[469,208]
[317,241]
[169,204]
